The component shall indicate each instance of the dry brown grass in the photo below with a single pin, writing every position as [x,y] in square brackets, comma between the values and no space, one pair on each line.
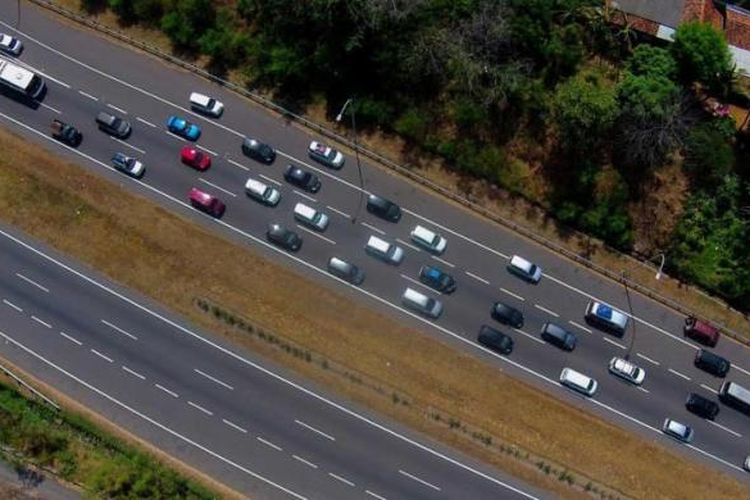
[163,256]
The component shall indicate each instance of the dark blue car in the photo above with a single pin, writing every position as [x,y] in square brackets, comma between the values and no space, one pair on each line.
[436,278]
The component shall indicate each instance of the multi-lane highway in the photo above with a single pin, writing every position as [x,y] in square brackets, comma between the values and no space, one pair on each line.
[248,424]
[86,74]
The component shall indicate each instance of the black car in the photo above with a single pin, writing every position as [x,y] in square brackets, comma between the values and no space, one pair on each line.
[436,278]
[258,150]
[283,237]
[302,178]
[559,336]
[385,209]
[495,340]
[506,314]
[701,406]
[712,363]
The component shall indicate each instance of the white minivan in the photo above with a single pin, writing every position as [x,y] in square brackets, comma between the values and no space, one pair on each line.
[429,240]
[310,217]
[578,381]
[262,192]
[206,105]
[421,303]
[383,250]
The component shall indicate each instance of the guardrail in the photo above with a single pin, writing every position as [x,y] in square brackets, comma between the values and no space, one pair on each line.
[652,294]
[22,383]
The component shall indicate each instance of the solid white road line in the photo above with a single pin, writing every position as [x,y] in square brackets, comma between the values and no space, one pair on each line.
[204,148]
[272,181]
[317,431]
[375,495]
[145,122]
[610,341]
[118,329]
[306,462]
[200,408]
[213,379]
[647,359]
[416,249]
[710,389]
[236,164]
[112,106]
[268,443]
[12,305]
[234,426]
[41,322]
[204,181]
[420,284]
[342,214]
[148,419]
[741,369]
[373,228]
[730,431]
[443,261]
[540,341]
[299,193]
[548,311]
[106,358]
[675,372]
[133,372]
[32,282]
[578,325]
[419,480]
[342,479]
[72,339]
[643,390]
[128,145]
[174,136]
[512,294]
[51,108]
[316,234]
[171,393]
[469,273]
[85,94]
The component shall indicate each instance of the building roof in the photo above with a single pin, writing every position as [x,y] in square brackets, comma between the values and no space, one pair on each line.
[666,12]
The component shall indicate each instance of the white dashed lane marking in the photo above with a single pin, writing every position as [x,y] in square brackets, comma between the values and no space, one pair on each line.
[422,481]
[675,372]
[32,282]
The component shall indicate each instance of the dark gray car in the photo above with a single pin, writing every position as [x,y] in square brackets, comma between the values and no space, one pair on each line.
[346,271]
[558,336]
[113,125]
[507,314]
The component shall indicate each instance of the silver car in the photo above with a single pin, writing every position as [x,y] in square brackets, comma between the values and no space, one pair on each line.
[10,45]
[677,430]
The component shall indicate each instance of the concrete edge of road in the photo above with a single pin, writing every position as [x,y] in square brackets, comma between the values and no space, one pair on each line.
[528,233]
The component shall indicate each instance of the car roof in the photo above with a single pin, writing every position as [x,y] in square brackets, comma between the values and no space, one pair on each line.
[199,98]
[255,185]
[200,196]
[521,263]
[378,243]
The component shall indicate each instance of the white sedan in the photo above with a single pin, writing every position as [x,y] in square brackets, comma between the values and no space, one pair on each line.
[10,45]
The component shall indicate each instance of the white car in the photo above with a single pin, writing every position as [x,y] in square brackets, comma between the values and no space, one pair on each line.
[10,45]
[578,381]
[627,370]
[428,240]
[262,192]
[206,105]
[746,464]
[310,217]
[677,430]
[389,252]
[325,155]
[524,269]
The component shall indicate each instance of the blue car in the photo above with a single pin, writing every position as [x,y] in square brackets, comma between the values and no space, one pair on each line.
[183,128]
[436,278]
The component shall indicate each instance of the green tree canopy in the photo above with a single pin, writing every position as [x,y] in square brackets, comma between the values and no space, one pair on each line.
[702,55]
[649,60]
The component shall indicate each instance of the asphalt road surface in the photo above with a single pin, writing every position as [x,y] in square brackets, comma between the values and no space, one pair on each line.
[86,74]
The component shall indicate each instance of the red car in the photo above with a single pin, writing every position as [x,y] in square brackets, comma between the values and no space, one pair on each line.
[195,158]
[206,203]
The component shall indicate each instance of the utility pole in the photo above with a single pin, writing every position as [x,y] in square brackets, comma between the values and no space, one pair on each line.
[624,279]
[356,154]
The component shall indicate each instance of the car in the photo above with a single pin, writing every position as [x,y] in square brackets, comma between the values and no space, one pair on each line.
[506,314]
[111,124]
[606,317]
[325,154]
[383,250]
[262,192]
[712,363]
[626,370]
[436,278]
[703,407]
[128,165]
[385,209]
[421,303]
[206,105]
[183,128]
[495,340]
[194,157]
[701,331]
[66,133]
[428,239]
[677,430]
[206,203]
[558,336]
[524,269]
[310,217]
[346,271]
[10,45]
[283,237]
[258,151]
[746,463]
[302,178]
[578,381]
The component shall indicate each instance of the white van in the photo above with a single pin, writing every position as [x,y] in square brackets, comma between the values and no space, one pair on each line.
[429,240]
[310,217]
[578,381]
[206,105]
[262,192]
[606,317]
[421,303]
[383,250]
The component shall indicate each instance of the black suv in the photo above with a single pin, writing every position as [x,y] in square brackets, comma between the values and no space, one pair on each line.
[495,340]
[506,314]
[712,363]
[701,406]
[283,237]
[258,150]
[385,209]
[436,278]
[302,179]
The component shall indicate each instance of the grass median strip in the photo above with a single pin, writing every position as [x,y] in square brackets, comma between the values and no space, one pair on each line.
[447,394]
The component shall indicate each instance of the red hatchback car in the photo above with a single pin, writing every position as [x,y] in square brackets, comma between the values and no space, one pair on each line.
[195,158]
[206,203]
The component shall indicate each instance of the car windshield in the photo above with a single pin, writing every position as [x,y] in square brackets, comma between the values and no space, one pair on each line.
[130,162]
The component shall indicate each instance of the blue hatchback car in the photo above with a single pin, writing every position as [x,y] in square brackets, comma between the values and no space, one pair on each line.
[183,128]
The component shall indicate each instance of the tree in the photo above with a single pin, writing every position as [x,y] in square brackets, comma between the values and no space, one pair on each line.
[584,109]
[186,21]
[650,60]
[708,155]
[702,55]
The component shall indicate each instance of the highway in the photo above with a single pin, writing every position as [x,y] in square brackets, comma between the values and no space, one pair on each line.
[239,419]
[145,91]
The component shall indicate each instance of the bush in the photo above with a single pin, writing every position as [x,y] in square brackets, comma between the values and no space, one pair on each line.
[186,21]
[649,60]
[708,155]
[702,55]
[412,125]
